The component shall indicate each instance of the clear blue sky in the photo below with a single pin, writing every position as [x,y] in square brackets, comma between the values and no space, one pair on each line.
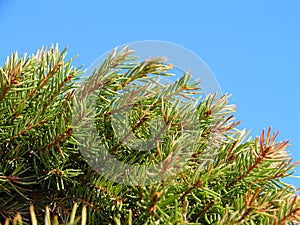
[253,47]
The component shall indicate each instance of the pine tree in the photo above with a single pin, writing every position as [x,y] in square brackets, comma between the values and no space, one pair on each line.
[228,178]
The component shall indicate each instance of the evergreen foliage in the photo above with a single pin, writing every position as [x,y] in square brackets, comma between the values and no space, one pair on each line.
[42,165]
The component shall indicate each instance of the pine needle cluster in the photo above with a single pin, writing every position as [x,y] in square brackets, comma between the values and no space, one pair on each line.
[44,101]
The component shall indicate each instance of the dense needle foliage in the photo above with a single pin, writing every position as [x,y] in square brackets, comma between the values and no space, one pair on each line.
[240,182]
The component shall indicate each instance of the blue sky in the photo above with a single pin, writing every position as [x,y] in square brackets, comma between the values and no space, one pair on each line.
[253,47]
